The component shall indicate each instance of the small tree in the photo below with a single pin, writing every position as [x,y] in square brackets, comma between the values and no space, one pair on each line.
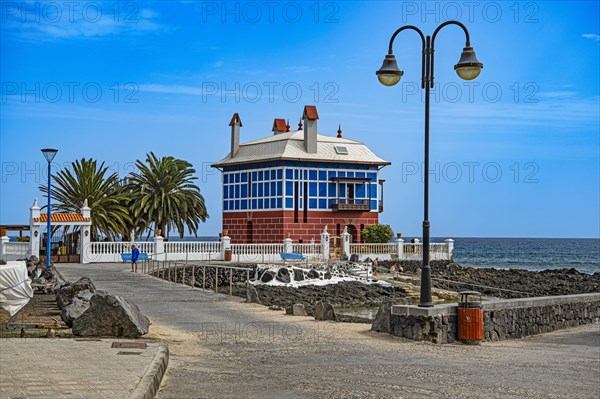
[377,233]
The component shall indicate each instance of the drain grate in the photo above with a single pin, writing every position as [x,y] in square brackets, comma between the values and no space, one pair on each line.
[129,345]
[129,353]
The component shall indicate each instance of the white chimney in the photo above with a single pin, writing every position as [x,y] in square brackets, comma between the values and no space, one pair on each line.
[310,117]
[236,124]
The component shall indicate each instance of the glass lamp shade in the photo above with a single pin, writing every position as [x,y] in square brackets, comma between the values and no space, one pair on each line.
[389,74]
[49,154]
[468,72]
[388,79]
[468,67]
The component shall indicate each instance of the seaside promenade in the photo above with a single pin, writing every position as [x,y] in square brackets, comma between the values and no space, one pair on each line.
[222,347]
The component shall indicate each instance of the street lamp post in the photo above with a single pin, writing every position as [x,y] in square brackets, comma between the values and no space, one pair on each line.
[49,154]
[467,68]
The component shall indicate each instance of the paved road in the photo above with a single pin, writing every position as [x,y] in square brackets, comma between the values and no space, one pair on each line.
[222,347]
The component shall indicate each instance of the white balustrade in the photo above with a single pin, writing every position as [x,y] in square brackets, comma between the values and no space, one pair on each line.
[413,248]
[375,249]
[16,248]
[256,249]
[115,248]
[307,249]
[212,250]
[192,247]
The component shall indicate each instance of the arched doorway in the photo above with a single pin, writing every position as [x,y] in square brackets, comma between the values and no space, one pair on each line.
[353,233]
[249,232]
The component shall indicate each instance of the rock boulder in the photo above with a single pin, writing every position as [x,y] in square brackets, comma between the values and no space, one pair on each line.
[382,320]
[111,315]
[68,291]
[324,311]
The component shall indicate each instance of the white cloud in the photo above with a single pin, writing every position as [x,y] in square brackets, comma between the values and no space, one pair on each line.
[172,89]
[592,36]
[36,21]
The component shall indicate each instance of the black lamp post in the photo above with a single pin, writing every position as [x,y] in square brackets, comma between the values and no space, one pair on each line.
[49,154]
[389,74]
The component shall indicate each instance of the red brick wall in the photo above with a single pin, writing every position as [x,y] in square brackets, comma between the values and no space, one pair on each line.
[273,226]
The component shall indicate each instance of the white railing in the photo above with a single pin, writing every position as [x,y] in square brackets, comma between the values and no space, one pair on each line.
[256,249]
[438,248]
[16,248]
[384,248]
[414,248]
[193,247]
[115,248]
[307,249]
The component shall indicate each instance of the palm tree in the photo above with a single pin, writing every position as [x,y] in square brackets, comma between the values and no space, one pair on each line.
[164,193]
[105,195]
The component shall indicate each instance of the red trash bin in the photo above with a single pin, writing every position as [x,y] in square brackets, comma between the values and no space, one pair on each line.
[228,254]
[470,319]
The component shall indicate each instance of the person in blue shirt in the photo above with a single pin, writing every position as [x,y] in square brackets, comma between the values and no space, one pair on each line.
[135,254]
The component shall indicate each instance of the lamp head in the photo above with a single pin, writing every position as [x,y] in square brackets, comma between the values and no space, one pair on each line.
[468,67]
[49,154]
[389,74]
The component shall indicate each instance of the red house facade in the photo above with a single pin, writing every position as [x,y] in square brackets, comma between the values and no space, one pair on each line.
[294,183]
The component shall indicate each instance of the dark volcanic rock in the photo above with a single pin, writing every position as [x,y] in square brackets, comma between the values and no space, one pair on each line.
[342,294]
[68,291]
[111,315]
[299,310]
[298,275]
[382,320]
[252,295]
[515,283]
[267,276]
[283,275]
[324,311]
[313,274]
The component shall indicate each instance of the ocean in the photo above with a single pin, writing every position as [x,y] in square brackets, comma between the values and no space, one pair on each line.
[582,254]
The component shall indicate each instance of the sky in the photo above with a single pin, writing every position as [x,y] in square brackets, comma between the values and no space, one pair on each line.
[514,153]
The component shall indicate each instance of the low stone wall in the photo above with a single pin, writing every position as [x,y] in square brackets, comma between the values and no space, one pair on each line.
[505,319]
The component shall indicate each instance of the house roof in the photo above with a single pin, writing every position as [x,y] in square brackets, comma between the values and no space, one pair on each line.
[62,217]
[290,146]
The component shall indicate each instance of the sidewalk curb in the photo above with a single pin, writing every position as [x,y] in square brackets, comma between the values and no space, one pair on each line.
[153,375]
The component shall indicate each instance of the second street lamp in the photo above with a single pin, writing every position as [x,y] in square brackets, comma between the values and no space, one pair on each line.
[467,68]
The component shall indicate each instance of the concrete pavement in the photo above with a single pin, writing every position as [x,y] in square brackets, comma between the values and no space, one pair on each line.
[78,368]
[222,347]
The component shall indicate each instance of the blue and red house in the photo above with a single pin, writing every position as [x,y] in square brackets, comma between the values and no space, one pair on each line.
[294,183]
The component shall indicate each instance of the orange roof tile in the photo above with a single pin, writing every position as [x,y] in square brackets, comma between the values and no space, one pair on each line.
[311,112]
[62,217]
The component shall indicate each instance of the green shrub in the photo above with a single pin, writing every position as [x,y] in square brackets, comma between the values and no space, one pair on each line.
[377,233]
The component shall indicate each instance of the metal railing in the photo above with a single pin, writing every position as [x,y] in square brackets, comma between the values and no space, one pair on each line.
[167,270]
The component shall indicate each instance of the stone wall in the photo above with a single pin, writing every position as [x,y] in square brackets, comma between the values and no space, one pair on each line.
[506,319]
